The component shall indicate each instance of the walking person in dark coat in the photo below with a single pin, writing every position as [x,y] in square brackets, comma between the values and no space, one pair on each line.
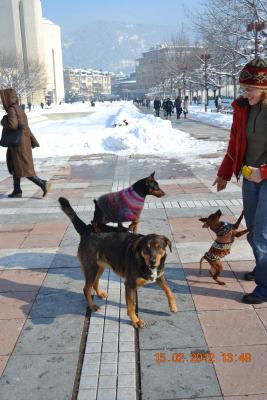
[157,105]
[178,106]
[168,107]
[19,158]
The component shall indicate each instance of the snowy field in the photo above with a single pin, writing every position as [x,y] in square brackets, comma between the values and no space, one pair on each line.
[95,133]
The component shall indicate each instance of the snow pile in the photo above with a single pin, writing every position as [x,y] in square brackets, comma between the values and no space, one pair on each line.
[210,117]
[104,131]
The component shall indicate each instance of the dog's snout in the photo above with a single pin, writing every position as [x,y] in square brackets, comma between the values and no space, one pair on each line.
[153,262]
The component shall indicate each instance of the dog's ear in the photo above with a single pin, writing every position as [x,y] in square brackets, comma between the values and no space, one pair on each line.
[150,178]
[168,243]
[136,243]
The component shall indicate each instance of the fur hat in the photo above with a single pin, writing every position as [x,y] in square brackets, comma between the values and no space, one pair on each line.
[254,74]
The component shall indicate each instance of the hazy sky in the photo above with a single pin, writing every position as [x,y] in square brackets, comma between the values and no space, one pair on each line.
[75,13]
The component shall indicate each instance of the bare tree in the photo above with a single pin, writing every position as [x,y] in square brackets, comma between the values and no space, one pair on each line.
[222,27]
[13,75]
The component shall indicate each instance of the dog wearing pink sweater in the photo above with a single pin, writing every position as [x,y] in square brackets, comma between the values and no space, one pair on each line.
[125,205]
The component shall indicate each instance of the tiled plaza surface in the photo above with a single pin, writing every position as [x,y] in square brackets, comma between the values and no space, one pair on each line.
[51,347]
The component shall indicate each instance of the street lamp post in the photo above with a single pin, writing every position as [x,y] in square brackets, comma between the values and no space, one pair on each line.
[255,27]
[205,57]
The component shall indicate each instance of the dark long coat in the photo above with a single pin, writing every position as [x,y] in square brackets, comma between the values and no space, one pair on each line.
[19,158]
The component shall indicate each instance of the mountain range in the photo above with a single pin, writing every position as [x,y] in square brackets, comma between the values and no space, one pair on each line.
[111,46]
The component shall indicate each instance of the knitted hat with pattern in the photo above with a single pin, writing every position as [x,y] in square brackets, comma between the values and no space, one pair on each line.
[254,74]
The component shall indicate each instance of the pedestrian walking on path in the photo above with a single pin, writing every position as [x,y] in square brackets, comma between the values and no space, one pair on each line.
[185,106]
[19,158]
[178,106]
[157,105]
[248,146]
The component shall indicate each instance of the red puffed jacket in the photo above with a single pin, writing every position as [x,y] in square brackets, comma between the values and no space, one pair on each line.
[234,158]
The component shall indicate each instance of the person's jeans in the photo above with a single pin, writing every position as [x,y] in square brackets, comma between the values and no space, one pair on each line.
[255,213]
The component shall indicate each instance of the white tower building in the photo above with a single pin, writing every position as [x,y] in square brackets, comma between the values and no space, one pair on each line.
[10,35]
[53,60]
[24,34]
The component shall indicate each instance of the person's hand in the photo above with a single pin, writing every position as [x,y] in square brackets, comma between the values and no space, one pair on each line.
[255,175]
[220,182]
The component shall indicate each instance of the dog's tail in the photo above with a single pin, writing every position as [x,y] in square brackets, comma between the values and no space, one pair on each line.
[200,264]
[78,224]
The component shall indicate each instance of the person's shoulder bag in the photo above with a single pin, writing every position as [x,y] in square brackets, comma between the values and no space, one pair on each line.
[12,137]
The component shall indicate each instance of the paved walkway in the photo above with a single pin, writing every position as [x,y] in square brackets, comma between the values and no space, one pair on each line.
[52,348]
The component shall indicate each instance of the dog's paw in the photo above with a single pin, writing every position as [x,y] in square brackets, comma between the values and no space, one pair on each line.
[173,308]
[140,323]
[94,308]
[102,295]
[221,283]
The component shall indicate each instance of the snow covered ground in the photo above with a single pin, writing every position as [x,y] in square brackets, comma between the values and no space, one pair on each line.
[95,133]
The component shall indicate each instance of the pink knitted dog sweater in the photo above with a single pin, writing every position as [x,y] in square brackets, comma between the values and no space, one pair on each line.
[125,205]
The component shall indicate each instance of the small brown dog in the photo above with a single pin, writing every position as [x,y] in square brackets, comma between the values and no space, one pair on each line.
[225,236]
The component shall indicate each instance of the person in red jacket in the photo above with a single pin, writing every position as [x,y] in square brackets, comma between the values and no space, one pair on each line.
[248,146]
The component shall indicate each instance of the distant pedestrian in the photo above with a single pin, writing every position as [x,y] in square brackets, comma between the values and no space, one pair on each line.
[42,105]
[178,106]
[168,107]
[185,106]
[19,158]
[195,99]
[29,106]
[157,105]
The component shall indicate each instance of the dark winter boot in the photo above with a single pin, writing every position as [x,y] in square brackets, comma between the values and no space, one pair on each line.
[17,192]
[44,185]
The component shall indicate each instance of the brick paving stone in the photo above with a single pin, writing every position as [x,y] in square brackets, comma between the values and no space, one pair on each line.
[3,362]
[28,377]
[211,296]
[251,375]
[185,229]
[27,258]
[173,380]
[221,329]
[21,280]
[193,251]
[16,304]
[50,335]
[10,330]
[106,394]
[87,394]
[194,277]
[10,240]
[126,393]
[262,313]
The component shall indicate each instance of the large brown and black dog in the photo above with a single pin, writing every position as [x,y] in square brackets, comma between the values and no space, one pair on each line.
[139,259]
